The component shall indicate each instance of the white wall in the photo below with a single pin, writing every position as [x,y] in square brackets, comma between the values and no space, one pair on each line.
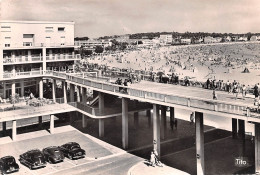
[38,29]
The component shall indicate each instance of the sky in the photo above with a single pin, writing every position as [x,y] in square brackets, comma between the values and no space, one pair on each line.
[95,18]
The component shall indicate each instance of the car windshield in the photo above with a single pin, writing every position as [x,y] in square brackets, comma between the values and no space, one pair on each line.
[9,160]
[56,152]
[36,155]
[75,147]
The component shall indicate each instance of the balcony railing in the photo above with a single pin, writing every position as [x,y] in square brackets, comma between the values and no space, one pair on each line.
[7,75]
[32,44]
[22,59]
[62,56]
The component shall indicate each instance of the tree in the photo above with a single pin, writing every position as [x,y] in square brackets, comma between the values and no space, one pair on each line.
[14,98]
[87,52]
[99,49]
[81,38]
[123,45]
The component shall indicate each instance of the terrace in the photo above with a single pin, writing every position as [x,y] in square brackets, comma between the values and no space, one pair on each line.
[61,57]
[22,59]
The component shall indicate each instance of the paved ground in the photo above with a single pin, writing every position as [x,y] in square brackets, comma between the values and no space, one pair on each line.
[101,157]
[144,168]
[41,140]
[178,147]
[191,91]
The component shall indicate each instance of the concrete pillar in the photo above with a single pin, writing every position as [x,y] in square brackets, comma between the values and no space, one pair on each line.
[72,91]
[84,121]
[22,87]
[84,98]
[40,121]
[136,119]
[64,85]
[14,130]
[172,117]
[13,70]
[101,102]
[163,121]
[125,122]
[41,88]
[44,63]
[54,90]
[78,94]
[241,128]
[52,124]
[148,114]
[156,129]
[4,127]
[199,142]
[4,86]
[13,87]
[234,127]
[257,148]
[1,65]
[101,127]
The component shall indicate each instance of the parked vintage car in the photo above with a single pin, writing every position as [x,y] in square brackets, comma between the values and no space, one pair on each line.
[33,159]
[53,154]
[72,150]
[8,165]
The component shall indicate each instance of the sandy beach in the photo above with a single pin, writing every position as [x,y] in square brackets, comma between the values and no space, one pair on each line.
[215,61]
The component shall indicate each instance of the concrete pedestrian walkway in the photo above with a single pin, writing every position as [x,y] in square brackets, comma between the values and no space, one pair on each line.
[141,168]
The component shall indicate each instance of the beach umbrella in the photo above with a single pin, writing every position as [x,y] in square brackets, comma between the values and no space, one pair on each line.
[160,73]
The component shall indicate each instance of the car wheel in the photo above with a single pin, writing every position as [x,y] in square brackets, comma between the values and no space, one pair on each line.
[70,156]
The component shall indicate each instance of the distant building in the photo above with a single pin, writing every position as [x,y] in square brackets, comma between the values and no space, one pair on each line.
[242,38]
[166,39]
[91,44]
[186,41]
[147,42]
[228,39]
[210,39]
[254,38]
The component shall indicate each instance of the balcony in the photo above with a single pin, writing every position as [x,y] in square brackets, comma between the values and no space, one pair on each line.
[22,59]
[55,57]
[8,75]
[58,44]
[38,45]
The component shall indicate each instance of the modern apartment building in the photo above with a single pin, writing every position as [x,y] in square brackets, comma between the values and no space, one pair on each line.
[29,49]
[166,39]
[91,44]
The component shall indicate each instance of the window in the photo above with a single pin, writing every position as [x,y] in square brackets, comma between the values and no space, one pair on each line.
[62,40]
[27,43]
[7,41]
[61,29]
[27,35]
[48,29]
[5,28]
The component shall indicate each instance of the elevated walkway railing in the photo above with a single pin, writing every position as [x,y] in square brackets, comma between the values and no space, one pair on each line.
[102,83]
[184,100]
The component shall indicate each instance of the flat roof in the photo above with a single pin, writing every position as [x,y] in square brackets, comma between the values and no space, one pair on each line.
[36,22]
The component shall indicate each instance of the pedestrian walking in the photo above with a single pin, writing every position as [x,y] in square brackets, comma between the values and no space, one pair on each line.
[192,118]
[214,94]
[243,92]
